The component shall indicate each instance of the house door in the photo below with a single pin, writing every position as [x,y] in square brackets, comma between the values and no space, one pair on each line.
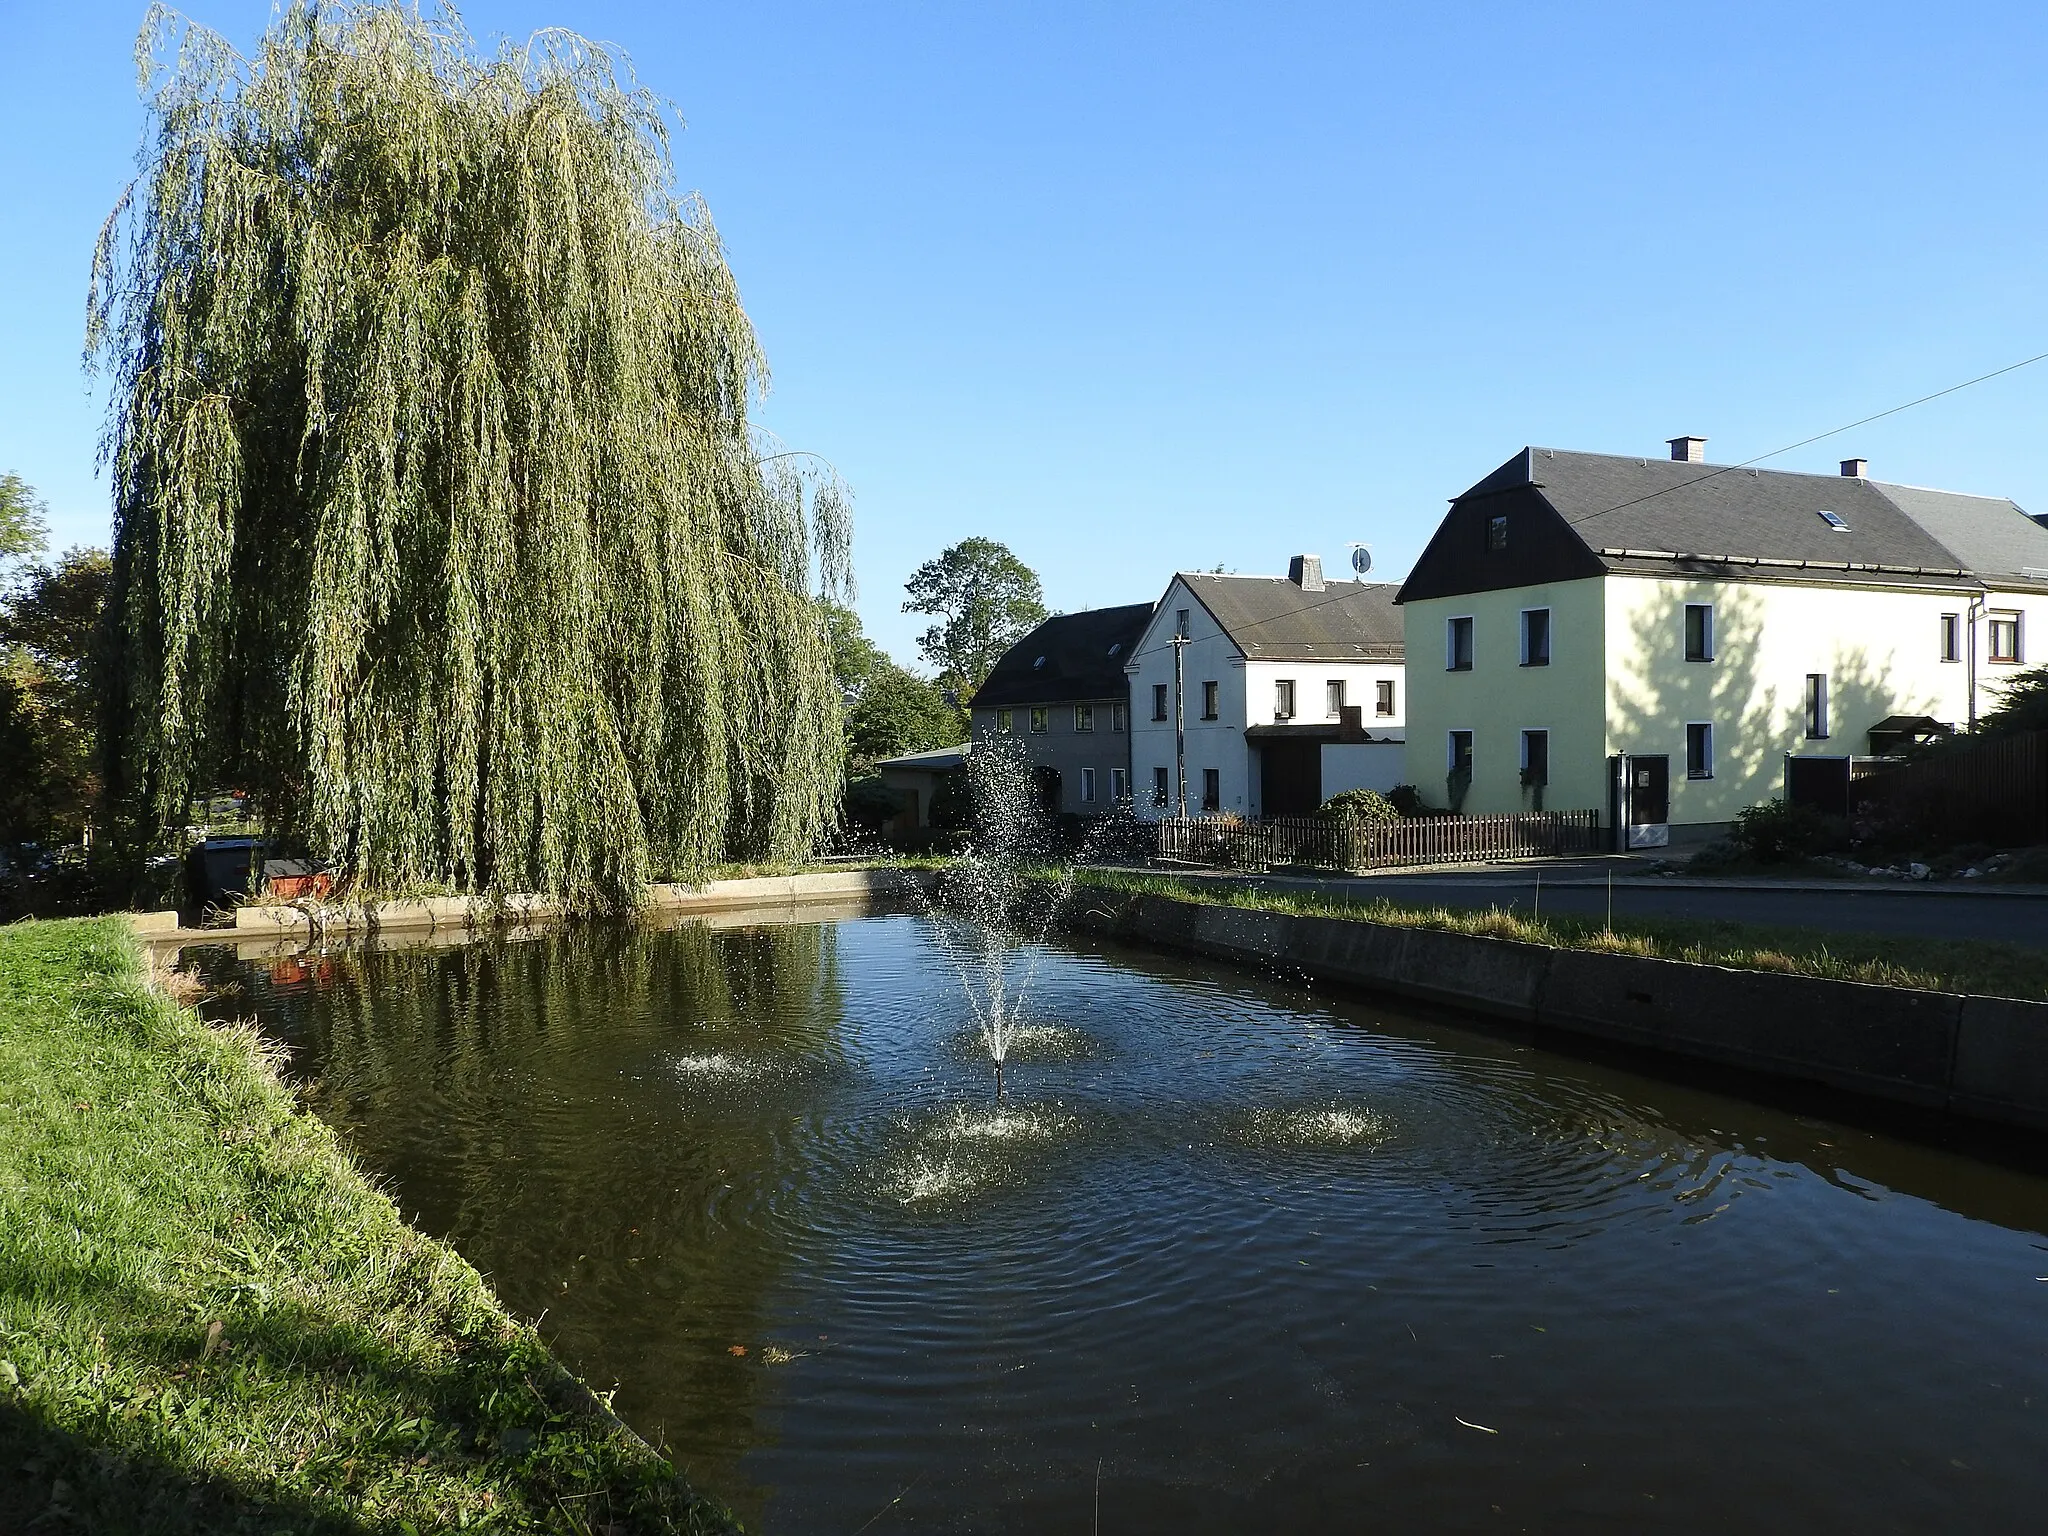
[1290,778]
[1640,798]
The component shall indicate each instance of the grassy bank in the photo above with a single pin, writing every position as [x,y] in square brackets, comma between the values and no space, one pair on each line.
[209,1321]
[1931,965]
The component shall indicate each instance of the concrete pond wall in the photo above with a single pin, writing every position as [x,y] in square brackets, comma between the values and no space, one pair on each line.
[1981,1057]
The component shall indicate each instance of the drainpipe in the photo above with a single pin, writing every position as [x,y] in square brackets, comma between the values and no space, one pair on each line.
[1976,612]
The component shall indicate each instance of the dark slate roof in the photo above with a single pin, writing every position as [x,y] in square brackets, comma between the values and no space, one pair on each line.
[1269,618]
[1585,513]
[1069,656]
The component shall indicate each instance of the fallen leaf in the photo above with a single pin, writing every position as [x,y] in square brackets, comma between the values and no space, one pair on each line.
[736,1349]
[212,1341]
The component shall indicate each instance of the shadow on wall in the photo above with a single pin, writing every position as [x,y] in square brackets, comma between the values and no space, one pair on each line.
[1755,702]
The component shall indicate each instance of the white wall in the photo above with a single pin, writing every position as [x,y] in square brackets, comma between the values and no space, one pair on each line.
[1218,743]
[1376,765]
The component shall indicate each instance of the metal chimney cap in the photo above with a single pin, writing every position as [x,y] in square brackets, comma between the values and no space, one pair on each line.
[1688,450]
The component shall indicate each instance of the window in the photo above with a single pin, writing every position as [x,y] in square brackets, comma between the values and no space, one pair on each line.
[1816,706]
[2005,636]
[1087,784]
[1180,622]
[1461,751]
[1835,521]
[1699,751]
[1159,701]
[1951,637]
[1084,717]
[1334,688]
[1208,701]
[1041,720]
[1212,789]
[1116,717]
[1119,786]
[1535,757]
[1459,647]
[1497,532]
[1384,703]
[1159,787]
[1006,720]
[1535,637]
[1283,698]
[1699,631]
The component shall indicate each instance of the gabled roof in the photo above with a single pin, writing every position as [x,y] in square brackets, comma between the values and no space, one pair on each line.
[1269,618]
[1580,514]
[1069,656]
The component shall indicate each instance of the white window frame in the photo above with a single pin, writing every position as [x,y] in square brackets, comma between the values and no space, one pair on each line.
[1527,659]
[1951,637]
[1084,718]
[1393,704]
[1283,698]
[1451,642]
[1116,717]
[1334,697]
[1119,786]
[1690,727]
[1006,721]
[1996,617]
[1088,786]
[1041,719]
[1706,633]
[1813,704]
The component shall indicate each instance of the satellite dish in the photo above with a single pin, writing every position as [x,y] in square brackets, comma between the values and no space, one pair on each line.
[1361,559]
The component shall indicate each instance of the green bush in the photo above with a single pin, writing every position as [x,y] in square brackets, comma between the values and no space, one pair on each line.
[1776,832]
[1360,807]
[1407,799]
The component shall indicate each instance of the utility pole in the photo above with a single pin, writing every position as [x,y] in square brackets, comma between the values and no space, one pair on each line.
[1180,728]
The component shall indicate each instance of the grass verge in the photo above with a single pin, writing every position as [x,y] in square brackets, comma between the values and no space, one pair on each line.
[1927,965]
[210,1321]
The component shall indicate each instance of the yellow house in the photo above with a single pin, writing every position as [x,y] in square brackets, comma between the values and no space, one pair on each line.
[1668,641]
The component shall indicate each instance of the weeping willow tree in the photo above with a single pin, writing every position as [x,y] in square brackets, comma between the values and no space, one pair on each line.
[439,522]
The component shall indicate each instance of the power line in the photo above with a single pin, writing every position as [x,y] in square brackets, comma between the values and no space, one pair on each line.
[1727,469]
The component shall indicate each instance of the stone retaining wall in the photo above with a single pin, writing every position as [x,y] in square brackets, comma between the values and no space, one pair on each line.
[1982,1057]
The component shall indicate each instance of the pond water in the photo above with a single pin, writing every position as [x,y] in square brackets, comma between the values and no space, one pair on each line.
[1229,1256]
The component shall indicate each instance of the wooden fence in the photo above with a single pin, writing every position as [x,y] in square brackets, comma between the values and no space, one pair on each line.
[1992,791]
[1321,844]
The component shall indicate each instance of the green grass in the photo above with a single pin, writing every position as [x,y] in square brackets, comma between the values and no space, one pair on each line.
[1927,965]
[157,1180]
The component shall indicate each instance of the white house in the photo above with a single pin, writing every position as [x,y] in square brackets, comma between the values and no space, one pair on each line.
[1668,641]
[1288,690]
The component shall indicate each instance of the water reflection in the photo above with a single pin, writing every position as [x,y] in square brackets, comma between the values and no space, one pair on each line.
[1267,1259]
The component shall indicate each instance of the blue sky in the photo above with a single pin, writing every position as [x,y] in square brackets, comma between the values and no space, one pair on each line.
[1143,287]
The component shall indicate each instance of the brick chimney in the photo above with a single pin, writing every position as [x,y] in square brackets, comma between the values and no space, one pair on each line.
[1306,572]
[1688,450]
[1856,469]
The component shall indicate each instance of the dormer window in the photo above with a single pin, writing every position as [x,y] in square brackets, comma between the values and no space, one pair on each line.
[1835,521]
[1115,648]
[1038,663]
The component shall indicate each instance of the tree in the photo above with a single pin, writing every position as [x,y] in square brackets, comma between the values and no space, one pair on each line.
[986,600]
[49,636]
[24,519]
[2022,705]
[889,709]
[439,523]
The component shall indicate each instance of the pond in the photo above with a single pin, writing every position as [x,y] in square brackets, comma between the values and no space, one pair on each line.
[1228,1256]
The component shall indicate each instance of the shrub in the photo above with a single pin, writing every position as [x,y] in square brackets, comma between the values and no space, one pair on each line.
[870,804]
[1777,832]
[1360,807]
[1407,799]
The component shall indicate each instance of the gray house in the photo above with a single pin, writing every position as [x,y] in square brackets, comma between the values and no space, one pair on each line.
[1061,694]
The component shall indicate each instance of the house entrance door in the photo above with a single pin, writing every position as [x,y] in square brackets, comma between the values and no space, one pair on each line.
[1639,797]
[1290,778]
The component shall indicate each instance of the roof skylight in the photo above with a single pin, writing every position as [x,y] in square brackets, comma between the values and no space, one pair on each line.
[1834,520]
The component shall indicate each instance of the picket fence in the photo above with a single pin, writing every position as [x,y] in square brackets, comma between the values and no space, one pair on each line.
[1317,843]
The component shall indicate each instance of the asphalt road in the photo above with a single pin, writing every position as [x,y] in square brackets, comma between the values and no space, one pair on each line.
[1582,890]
